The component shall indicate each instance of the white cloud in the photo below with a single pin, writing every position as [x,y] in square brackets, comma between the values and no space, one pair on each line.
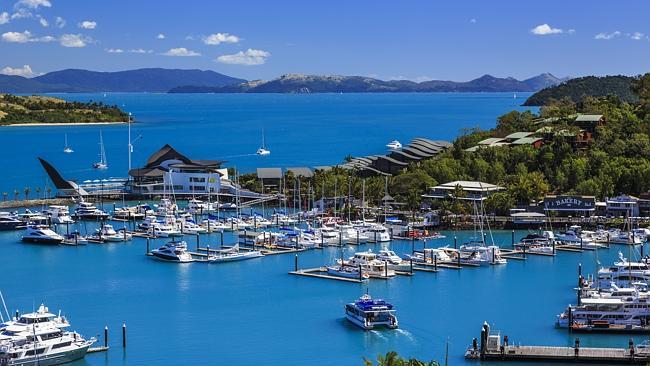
[59,22]
[32,4]
[218,38]
[17,37]
[88,24]
[607,36]
[637,36]
[249,57]
[74,40]
[4,17]
[473,20]
[25,71]
[43,21]
[545,29]
[114,50]
[22,13]
[140,50]
[181,51]
[160,36]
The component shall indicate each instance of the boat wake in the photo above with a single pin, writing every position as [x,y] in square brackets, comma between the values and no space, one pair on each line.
[378,334]
[407,334]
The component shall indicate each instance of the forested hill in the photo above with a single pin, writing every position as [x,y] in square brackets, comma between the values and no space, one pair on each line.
[39,109]
[590,86]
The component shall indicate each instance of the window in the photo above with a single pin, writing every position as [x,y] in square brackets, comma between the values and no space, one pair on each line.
[198,188]
[197,179]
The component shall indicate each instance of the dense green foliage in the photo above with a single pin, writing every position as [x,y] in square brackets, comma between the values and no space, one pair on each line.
[579,88]
[393,359]
[37,109]
[616,161]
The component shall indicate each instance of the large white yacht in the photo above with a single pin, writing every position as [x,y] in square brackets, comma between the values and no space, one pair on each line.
[430,255]
[175,251]
[41,234]
[369,263]
[482,254]
[9,221]
[40,338]
[58,214]
[367,313]
[394,261]
[109,234]
[233,254]
[88,211]
[606,312]
[624,273]
[376,233]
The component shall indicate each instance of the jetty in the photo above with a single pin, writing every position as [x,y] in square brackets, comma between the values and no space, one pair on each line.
[493,348]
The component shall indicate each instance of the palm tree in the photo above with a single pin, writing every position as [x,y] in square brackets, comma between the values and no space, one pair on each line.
[393,359]
[26,190]
[4,196]
[49,191]
[16,194]
[38,192]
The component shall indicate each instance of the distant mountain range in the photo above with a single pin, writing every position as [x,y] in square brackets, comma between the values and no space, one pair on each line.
[299,83]
[577,89]
[153,80]
[159,80]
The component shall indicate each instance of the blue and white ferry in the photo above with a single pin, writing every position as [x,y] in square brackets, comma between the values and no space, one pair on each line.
[367,313]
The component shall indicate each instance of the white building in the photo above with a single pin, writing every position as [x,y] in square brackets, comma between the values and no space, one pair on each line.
[474,191]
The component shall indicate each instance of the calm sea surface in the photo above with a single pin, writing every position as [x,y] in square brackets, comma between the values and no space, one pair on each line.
[253,312]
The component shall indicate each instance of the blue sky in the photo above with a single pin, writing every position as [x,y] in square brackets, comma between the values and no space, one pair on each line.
[261,39]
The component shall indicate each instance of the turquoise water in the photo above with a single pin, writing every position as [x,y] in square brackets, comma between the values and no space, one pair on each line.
[300,130]
[253,312]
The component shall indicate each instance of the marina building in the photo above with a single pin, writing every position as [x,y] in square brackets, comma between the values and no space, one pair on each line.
[570,205]
[622,206]
[470,190]
[168,171]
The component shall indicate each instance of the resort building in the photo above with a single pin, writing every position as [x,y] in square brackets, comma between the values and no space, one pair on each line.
[167,171]
[470,190]
[589,122]
[622,206]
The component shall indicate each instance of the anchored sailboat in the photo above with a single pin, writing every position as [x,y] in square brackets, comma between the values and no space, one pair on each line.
[102,164]
[262,150]
[67,149]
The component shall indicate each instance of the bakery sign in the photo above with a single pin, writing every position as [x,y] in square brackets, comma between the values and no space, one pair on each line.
[569,203]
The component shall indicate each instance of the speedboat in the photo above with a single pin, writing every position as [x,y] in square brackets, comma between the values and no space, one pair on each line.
[367,313]
[429,256]
[108,233]
[188,226]
[10,222]
[536,243]
[40,338]
[233,254]
[175,251]
[369,263]
[481,254]
[75,238]
[394,145]
[41,234]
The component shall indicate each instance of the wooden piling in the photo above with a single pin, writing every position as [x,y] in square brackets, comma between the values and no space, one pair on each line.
[123,335]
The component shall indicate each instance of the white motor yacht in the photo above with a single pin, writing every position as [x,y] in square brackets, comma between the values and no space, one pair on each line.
[233,254]
[175,251]
[41,234]
[369,263]
[394,145]
[481,254]
[58,215]
[87,211]
[376,233]
[108,233]
[9,221]
[394,261]
[347,272]
[430,255]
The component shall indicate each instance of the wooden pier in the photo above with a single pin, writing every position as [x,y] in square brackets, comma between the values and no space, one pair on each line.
[493,348]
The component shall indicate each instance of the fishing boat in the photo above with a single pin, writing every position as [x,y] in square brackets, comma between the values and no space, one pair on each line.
[40,338]
[394,261]
[67,149]
[174,251]
[102,164]
[41,234]
[368,313]
[88,211]
[9,221]
[394,145]
[263,150]
[233,254]
[58,214]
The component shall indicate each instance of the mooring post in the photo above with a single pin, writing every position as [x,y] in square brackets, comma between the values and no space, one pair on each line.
[484,238]
[458,252]
[198,242]
[435,262]
[581,242]
[67,228]
[493,258]
[455,238]
[411,263]
[525,251]
[207,250]
[360,273]
[357,237]
[148,245]
[295,263]
[123,335]
[221,236]
[553,241]
[608,240]
[386,269]
[340,237]
[512,238]
[106,336]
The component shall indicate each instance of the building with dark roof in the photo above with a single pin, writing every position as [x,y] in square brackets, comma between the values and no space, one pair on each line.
[167,170]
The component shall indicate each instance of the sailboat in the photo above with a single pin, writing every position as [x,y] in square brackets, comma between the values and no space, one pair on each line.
[102,164]
[67,149]
[262,150]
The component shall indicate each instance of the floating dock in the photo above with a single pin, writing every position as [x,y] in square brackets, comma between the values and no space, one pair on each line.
[321,272]
[492,348]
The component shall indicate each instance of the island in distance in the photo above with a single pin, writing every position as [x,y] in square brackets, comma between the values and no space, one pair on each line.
[159,80]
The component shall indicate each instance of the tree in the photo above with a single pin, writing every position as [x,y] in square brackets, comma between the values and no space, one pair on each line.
[4,196]
[16,194]
[26,191]
[393,359]
[641,87]
[499,203]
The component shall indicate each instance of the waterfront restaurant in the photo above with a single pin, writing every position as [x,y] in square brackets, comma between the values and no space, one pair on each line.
[473,191]
[570,205]
[168,171]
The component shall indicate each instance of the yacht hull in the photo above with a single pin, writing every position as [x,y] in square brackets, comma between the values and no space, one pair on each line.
[44,241]
[52,359]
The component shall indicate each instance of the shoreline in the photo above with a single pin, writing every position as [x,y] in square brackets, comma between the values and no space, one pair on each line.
[61,124]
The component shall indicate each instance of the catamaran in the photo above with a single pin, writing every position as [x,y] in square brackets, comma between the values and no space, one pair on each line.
[102,164]
[263,150]
[367,313]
